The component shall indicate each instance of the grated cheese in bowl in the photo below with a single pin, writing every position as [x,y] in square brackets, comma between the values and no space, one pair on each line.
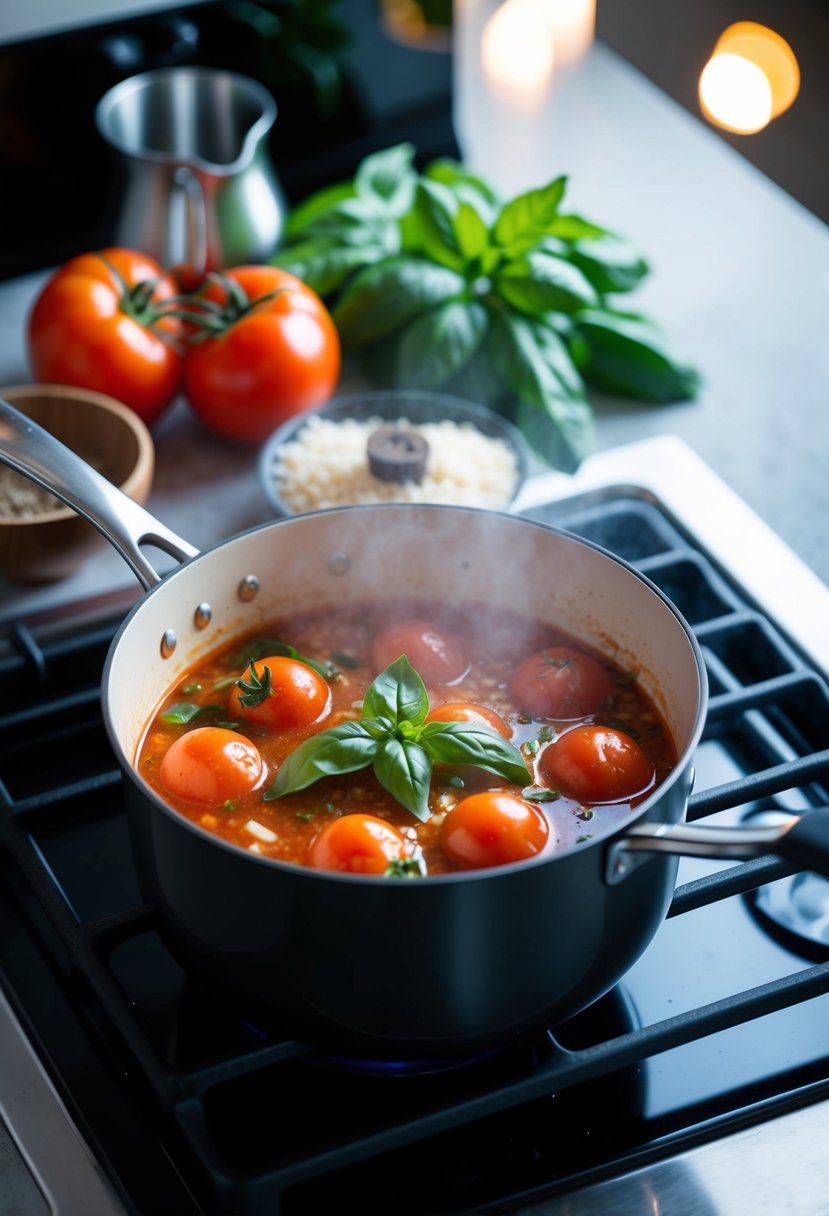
[320,460]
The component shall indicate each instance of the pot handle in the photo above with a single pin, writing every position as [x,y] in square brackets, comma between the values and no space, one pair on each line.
[804,842]
[38,455]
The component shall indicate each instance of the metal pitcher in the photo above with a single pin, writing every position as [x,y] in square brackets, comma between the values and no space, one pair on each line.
[200,186]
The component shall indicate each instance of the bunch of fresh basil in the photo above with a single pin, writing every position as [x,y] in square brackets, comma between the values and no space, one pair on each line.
[394,738]
[445,287]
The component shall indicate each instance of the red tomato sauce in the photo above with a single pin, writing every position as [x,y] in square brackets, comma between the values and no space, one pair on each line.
[517,678]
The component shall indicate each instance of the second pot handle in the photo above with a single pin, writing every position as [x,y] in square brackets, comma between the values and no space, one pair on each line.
[38,455]
[804,842]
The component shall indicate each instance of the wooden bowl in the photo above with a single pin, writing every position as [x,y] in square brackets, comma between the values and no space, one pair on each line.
[39,541]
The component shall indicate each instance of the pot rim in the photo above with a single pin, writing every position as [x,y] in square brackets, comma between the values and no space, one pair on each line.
[462,876]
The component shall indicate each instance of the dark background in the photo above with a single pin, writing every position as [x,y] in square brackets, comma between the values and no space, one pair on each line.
[60,185]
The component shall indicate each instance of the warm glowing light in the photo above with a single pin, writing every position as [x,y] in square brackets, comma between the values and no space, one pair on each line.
[574,26]
[517,52]
[735,94]
[751,78]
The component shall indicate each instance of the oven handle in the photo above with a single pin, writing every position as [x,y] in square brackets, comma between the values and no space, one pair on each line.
[29,449]
[804,842]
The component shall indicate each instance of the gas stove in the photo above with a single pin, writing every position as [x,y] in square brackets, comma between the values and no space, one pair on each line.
[700,1084]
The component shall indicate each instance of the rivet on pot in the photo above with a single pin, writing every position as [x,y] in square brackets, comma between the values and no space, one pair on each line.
[203,616]
[249,588]
[168,643]
[339,563]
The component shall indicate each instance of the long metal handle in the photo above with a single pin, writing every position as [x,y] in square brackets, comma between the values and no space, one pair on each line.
[804,841]
[36,454]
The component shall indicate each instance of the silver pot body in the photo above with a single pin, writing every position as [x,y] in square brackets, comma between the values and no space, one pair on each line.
[449,961]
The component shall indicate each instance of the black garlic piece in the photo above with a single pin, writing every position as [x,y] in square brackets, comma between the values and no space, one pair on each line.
[397,454]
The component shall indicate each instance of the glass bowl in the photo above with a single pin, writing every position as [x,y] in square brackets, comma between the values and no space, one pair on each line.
[476,457]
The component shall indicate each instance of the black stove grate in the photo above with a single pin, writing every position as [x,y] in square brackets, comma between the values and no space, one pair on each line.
[231,1118]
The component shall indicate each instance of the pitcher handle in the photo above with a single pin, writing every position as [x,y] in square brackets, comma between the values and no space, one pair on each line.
[38,455]
[187,184]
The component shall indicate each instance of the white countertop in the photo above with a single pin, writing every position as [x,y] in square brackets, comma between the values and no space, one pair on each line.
[740,282]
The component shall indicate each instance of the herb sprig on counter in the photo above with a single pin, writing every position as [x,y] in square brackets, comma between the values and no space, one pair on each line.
[394,738]
[442,285]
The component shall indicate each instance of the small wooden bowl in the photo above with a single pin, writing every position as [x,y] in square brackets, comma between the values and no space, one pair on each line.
[45,545]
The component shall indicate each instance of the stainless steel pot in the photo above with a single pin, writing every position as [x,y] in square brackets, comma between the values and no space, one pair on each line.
[450,961]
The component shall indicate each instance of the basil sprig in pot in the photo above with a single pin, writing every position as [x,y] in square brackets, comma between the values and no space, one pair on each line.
[395,740]
[442,285]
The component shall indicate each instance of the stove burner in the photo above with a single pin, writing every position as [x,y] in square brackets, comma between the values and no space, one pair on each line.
[519,1053]
[794,911]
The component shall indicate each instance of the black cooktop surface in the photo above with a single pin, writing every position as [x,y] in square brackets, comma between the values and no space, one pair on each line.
[193,1109]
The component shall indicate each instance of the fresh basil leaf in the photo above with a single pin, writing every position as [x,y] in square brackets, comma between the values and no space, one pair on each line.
[398,694]
[323,265]
[560,431]
[611,264]
[344,748]
[356,221]
[576,228]
[314,206]
[477,380]
[627,357]
[261,648]
[439,344]
[541,282]
[383,298]
[471,232]
[389,178]
[467,187]
[529,215]
[405,770]
[533,359]
[187,711]
[431,225]
[550,407]
[534,793]
[468,743]
[405,867]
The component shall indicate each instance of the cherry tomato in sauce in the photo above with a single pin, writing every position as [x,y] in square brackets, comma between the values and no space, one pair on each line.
[357,844]
[492,829]
[436,655]
[296,695]
[478,715]
[596,764]
[560,683]
[211,765]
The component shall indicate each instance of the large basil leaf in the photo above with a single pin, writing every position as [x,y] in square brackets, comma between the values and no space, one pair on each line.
[439,344]
[430,227]
[559,430]
[325,266]
[471,232]
[405,770]
[467,743]
[389,177]
[314,206]
[466,187]
[575,228]
[541,282]
[550,407]
[344,748]
[356,221]
[398,693]
[530,215]
[628,357]
[383,298]
[611,264]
